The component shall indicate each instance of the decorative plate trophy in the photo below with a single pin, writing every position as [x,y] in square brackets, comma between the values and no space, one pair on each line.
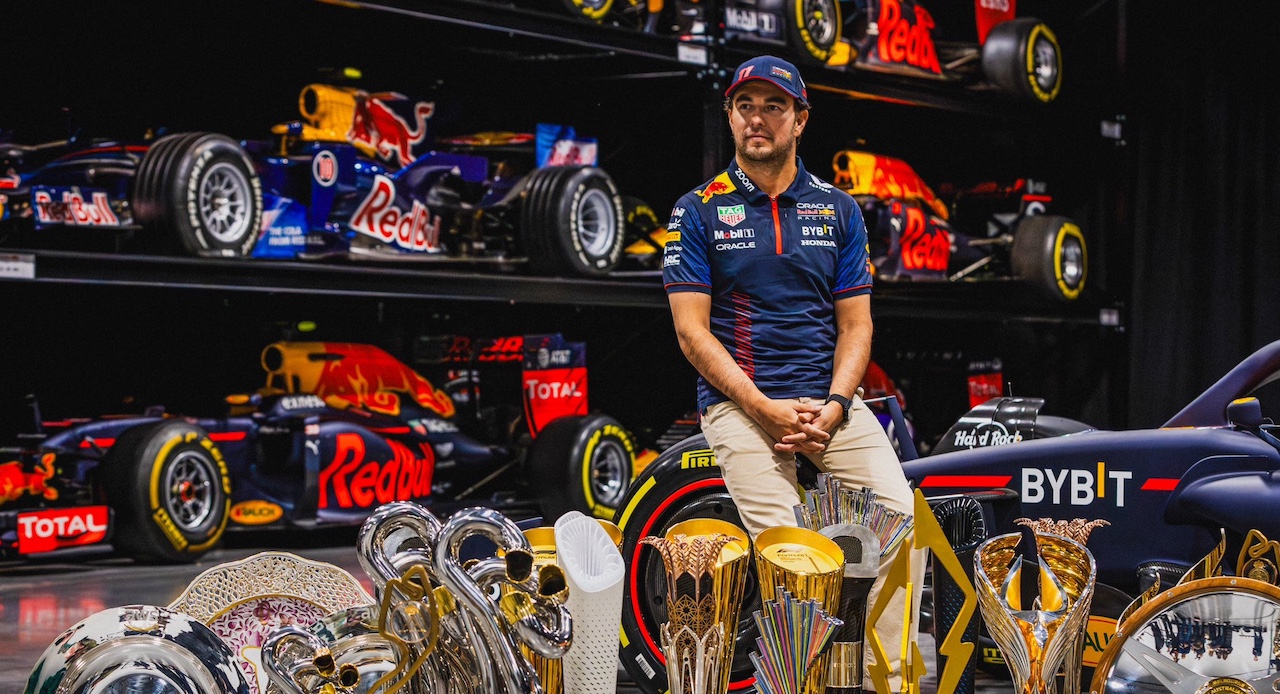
[1208,634]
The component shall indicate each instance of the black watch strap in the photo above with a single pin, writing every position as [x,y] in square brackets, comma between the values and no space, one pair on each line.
[845,403]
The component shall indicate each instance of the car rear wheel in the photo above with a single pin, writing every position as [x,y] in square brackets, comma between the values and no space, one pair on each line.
[1049,251]
[171,492]
[582,464]
[1022,57]
[813,28]
[572,221]
[200,189]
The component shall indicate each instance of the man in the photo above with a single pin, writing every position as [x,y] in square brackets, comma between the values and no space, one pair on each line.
[768,278]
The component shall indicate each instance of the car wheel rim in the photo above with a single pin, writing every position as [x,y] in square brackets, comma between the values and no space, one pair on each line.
[1072,263]
[189,490]
[820,21]
[609,473]
[1045,61]
[597,224]
[224,202]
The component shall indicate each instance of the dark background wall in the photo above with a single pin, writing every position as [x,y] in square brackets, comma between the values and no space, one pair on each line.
[1179,214]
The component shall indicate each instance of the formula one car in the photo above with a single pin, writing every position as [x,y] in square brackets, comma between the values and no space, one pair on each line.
[354,178]
[1166,493]
[1018,55]
[337,430]
[988,231]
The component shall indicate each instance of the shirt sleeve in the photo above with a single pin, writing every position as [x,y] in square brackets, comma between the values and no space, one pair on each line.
[853,264]
[684,258]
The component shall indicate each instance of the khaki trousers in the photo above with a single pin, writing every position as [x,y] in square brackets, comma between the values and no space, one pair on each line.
[762,483]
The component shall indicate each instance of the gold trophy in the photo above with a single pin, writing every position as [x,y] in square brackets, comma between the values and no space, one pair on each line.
[809,566]
[706,564]
[1036,635]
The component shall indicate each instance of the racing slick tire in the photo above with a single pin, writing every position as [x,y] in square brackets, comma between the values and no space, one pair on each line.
[813,29]
[582,463]
[1049,251]
[681,484]
[572,221]
[200,189]
[1022,57]
[170,489]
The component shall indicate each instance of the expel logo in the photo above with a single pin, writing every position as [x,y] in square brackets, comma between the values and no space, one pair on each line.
[731,214]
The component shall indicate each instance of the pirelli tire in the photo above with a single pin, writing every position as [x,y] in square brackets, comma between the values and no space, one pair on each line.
[682,483]
[168,484]
[813,29]
[199,191]
[1022,57]
[572,221]
[582,463]
[1049,252]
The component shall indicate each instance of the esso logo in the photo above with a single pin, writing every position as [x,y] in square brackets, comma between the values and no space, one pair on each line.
[324,168]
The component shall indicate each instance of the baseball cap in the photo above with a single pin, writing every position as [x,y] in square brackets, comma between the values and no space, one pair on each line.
[774,70]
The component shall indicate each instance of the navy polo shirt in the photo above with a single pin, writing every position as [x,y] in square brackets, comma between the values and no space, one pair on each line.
[774,268]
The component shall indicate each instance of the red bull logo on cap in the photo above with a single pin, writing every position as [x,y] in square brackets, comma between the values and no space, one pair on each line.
[378,129]
[718,186]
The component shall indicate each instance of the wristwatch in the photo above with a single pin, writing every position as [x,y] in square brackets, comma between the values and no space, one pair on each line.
[845,403]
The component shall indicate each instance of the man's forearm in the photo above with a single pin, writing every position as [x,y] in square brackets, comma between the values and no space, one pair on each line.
[718,367]
[853,345]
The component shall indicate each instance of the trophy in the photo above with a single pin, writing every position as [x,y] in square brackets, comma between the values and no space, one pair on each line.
[1038,637]
[861,550]
[793,635]
[809,566]
[706,564]
[963,525]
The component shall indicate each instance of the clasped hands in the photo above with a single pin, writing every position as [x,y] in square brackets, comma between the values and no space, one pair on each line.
[799,427]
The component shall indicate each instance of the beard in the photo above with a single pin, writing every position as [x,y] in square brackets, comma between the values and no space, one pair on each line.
[773,157]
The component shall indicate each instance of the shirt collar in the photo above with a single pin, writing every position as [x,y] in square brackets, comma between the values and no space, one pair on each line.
[754,194]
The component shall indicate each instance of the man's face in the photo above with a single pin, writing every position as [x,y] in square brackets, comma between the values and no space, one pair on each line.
[765,123]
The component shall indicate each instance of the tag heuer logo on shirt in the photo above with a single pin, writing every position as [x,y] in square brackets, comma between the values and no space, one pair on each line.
[731,214]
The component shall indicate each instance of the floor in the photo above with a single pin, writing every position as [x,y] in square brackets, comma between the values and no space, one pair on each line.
[39,600]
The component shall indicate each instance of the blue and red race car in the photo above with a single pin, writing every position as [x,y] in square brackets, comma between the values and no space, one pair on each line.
[357,176]
[337,430]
